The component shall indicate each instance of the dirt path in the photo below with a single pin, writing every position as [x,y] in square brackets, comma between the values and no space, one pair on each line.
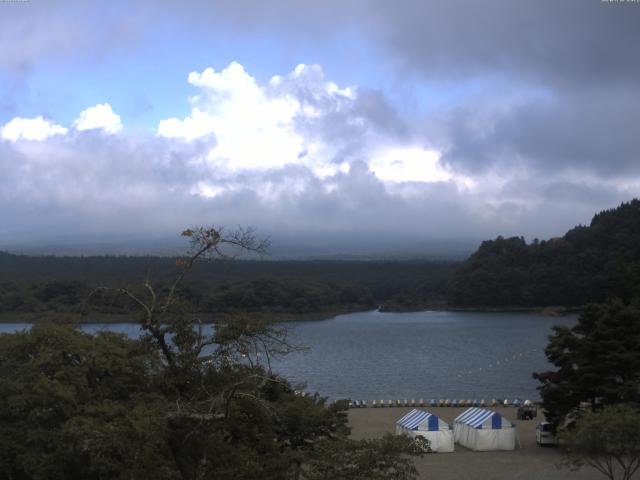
[529,462]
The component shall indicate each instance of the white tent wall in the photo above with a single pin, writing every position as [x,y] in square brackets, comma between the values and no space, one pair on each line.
[483,430]
[416,424]
[440,441]
[481,440]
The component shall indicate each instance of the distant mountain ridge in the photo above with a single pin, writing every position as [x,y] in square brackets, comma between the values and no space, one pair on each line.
[588,264]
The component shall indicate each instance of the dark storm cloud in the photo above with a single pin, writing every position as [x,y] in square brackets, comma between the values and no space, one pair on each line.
[566,41]
[571,42]
[580,54]
[588,132]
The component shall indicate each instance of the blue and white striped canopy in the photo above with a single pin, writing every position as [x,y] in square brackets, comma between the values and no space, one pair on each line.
[415,418]
[476,418]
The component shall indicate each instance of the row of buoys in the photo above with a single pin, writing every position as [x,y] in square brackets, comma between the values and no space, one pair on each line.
[437,403]
[497,363]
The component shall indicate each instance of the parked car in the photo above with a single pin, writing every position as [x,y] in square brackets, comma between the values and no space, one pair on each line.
[527,412]
[544,434]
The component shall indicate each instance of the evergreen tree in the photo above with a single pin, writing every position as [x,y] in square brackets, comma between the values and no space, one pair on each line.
[588,264]
[597,361]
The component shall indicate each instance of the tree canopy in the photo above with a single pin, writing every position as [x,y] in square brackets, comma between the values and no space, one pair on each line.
[597,361]
[588,264]
[176,403]
[607,440]
[43,286]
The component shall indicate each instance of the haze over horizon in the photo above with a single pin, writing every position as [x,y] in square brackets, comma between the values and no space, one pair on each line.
[361,126]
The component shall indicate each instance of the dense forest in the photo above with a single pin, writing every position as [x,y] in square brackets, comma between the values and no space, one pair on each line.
[588,264]
[37,285]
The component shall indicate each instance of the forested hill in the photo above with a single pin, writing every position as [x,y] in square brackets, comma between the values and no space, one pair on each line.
[588,264]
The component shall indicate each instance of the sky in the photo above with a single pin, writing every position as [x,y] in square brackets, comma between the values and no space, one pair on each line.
[342,126]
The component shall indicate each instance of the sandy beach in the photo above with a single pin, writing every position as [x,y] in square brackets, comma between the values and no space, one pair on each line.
[527,462]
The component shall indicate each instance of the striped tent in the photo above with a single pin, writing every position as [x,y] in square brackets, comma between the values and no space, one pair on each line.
[429,426]
[482,430]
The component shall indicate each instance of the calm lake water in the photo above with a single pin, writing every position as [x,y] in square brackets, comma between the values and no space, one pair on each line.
[373,355]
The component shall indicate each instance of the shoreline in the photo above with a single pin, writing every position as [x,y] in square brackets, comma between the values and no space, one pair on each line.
[116,318]
[551,311]
[103,318]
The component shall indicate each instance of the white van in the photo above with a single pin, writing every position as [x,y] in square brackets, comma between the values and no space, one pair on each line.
[544,434]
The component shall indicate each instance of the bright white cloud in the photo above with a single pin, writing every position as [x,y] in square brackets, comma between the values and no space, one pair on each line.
[257,126]
[409,164]
[30,129]
[101,116]
[297,154]
[198,125]
[252,130]
[298,119]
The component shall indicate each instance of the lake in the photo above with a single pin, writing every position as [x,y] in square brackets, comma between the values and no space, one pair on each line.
[374,355]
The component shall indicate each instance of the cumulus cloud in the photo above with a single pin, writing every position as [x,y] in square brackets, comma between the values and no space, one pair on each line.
[546,85]
[36,128]
[253,125]
[302,157]
[409,164]
[298,155]
[252,130]
[296,119]
[99,117]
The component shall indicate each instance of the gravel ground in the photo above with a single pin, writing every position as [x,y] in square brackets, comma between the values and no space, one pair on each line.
[527,462]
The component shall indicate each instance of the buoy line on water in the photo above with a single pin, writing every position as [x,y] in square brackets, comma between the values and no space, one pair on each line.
[507,360]
[498,363]
[516,402]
